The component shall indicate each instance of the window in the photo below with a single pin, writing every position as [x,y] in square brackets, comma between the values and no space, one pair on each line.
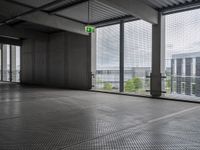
[0,62]
[15,59]
[175,68]
[183,45]
[183,67]
[183,88]
[10,63]
[193,68]
[193,89]
[174,87]
[107,58]
[137,56]
[6,62]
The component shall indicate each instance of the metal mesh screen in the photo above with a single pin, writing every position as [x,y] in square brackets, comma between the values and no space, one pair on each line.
[183,54]
[107,58]
[137,56]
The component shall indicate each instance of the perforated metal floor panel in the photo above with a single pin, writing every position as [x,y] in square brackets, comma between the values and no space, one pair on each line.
[56,119]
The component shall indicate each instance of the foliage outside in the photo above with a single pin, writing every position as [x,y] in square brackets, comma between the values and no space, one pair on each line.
[168,85]
[107,86]
[133,85]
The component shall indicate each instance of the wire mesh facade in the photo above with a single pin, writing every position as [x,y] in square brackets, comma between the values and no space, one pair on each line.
[183,54]
[137,57]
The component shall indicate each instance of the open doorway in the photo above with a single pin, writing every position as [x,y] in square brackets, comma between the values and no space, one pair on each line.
[9,63]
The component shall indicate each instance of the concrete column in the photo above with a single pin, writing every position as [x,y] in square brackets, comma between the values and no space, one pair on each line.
[13,61]
[93,62]
[4,63]
[158,55]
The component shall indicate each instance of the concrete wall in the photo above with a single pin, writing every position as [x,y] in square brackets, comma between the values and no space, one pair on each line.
[61,60]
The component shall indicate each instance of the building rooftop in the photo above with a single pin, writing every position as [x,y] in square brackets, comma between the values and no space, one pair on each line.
[186,55]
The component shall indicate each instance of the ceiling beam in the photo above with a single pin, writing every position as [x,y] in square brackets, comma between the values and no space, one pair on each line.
[29,11]
[180,8]
[7,40]
[136,8]
[114,21]
[68,5]
[8,31]
[53,21]
[37,16]
[52,11]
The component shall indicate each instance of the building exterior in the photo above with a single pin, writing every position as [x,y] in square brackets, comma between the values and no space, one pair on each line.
[185,74]
[111,75]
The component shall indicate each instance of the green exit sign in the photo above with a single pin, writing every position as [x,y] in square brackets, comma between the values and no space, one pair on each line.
[90,29]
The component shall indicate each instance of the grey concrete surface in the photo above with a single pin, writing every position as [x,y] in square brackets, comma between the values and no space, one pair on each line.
[61,60]
[55,119]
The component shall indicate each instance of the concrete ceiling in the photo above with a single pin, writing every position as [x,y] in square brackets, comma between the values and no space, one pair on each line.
[160,4]
[98,12]
[37,27]
[77,10]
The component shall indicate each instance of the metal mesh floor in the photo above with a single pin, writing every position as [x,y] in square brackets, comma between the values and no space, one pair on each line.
[39,118]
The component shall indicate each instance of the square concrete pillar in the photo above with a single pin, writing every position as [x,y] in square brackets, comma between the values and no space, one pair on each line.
[158,57]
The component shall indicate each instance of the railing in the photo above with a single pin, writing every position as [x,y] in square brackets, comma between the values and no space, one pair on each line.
[132,84]
[162,78]
[13,76]
[181,85]
[5,75]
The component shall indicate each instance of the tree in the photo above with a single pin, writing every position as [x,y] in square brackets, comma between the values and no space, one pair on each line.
[107,86]
[137,83]
[168,85]
[133,85]
[129,86]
